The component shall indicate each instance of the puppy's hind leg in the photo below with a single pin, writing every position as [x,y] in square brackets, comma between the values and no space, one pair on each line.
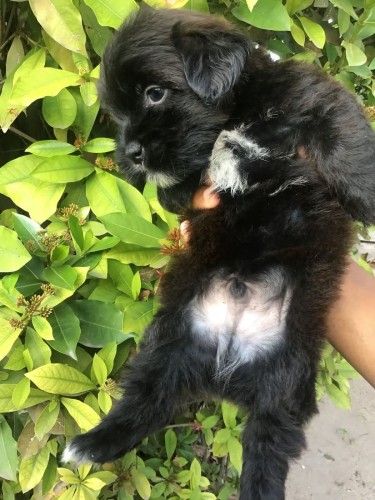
[151,390]
[270,440]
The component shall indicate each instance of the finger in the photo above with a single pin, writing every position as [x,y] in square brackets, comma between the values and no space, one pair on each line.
[205,197]
[184,231]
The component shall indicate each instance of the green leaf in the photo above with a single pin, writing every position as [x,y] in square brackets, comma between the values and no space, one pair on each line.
[67,476]
[7,491]
[133,200]
[36,197]
[141,483]
[103,194]
[39,351]
[104,244]
[210,421]
[21,392]
[19,169]
[133,254]
[99,369]
[354,55]
[339,398]
[108,354]
[57,378]
[100,323]
[158,490]
[42,327]
[196,473]
[62,21]
[50,148]
[47,419]
[76,231]
[136,285]
[294,6]
[13,255]
[62,276]
[266,14]
[111,12]
[8,299]
[223,435]
[343,21]
[94,483]
[298,34]
[35,59]
[59,254]
[60,111]
[105,401]
[122,276]
[63,169]
[66,330]
[251,4]
[235,453]
[16,360]
[346,6]
[170,443]
[314,31]
[98,35]
[60,54]
[6,405]
[229,411]
[8,452]
[137,316]
[169,218]
[28,230]
[133,229]
[32,469]
[89,93]
[85,416]
[15,55]
[85,117]
[8,336]
[40,83]
[99,145]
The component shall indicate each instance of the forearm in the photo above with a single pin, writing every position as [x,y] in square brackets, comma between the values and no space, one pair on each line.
[351,321]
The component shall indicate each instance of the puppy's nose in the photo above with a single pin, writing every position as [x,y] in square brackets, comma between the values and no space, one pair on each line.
[134,151]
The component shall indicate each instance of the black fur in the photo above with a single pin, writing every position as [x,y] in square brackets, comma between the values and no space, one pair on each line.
[271,255]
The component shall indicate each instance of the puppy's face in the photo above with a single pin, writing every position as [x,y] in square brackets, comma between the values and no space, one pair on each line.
[166,79]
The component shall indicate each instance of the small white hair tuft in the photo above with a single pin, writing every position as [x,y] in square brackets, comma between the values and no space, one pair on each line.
[224,168]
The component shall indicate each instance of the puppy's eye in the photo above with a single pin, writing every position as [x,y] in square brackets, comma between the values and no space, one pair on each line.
[155,95]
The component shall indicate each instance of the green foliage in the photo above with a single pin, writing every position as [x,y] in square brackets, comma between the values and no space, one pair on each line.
[81,250]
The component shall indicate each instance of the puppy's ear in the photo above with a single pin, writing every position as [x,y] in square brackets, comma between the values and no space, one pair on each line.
[213,56]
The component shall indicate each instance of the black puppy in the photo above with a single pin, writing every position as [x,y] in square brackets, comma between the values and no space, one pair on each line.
[243,309]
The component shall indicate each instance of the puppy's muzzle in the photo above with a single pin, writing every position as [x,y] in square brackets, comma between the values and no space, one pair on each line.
[135,152]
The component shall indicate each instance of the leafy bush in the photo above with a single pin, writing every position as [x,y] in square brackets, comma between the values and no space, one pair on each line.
[81,250]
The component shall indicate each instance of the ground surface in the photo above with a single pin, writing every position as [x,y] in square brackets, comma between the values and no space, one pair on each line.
[339,463]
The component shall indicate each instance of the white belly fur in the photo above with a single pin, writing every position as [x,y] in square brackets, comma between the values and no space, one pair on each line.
[241,327]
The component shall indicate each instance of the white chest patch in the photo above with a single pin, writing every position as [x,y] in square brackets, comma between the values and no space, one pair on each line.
[243,319]
[224,170]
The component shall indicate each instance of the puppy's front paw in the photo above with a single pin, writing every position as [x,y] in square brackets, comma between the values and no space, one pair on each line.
[231,156]
[100,445]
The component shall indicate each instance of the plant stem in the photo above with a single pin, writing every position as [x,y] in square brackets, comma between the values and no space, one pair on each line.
[22,134]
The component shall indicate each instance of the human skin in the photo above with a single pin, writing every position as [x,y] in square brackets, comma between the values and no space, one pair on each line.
[351,320]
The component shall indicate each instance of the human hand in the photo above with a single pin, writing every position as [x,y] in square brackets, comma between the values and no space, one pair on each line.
[204,198]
